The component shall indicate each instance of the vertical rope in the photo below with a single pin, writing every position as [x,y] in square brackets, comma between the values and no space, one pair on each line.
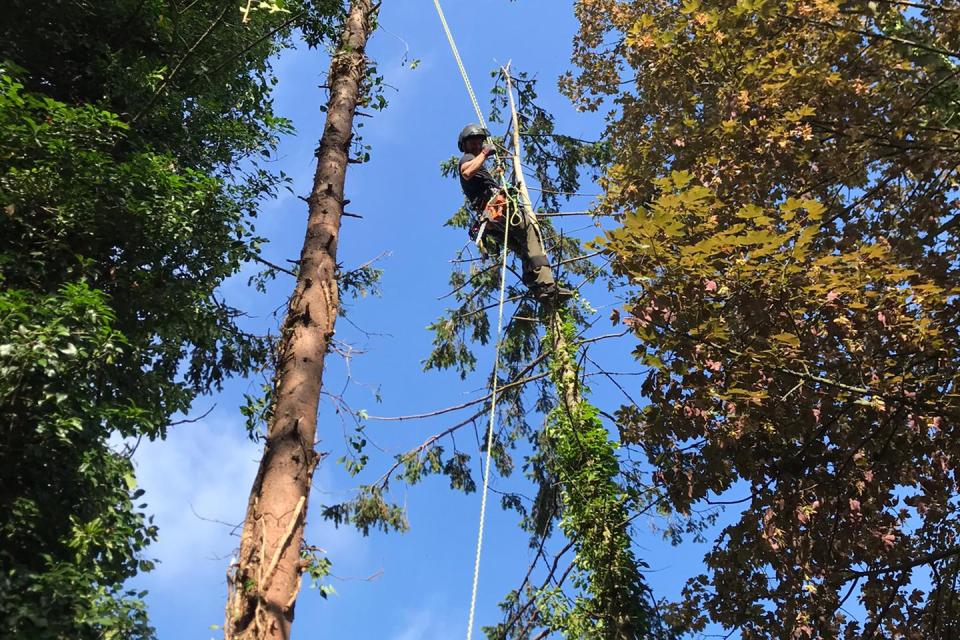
[496,357]
[463,70]
[493,410]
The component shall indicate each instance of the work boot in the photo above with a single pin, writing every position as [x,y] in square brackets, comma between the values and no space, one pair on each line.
[551,293]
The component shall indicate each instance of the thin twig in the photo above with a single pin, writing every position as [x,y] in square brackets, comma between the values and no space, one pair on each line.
[194,420]
[440,412]
[578,258]
[904,566]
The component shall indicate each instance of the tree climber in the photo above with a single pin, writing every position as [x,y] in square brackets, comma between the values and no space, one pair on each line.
[486,197]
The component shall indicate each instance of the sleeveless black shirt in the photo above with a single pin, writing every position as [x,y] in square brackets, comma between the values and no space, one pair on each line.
[480,187]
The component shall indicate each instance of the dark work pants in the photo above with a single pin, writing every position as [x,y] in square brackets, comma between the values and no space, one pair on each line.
[525,241]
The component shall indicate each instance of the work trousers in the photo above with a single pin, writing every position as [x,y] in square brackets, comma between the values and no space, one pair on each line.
[524,240]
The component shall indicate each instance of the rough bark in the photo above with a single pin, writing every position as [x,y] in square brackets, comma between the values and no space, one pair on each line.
[264,582]
[569,389]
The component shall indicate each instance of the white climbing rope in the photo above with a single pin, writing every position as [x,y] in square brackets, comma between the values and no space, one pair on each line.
[496,357]
[463,70]
[493,410]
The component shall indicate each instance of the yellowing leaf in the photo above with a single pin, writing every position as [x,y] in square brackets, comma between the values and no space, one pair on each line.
[787,338]
[749,211]
[681,179]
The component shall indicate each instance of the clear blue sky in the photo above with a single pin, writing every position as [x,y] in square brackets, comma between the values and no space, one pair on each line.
[203,471]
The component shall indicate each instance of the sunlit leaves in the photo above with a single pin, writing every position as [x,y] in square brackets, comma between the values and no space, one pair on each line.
[790,175]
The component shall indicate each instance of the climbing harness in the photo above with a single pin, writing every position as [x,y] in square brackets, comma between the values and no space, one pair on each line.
[502,205]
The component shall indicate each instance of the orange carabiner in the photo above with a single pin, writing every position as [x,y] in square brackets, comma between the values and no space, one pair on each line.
[496,207]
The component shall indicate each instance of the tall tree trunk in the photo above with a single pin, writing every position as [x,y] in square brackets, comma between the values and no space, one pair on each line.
[265,581]
[583,458]
[568,388]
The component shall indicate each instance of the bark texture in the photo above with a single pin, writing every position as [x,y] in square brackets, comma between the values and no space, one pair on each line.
[264,583]
[568,388]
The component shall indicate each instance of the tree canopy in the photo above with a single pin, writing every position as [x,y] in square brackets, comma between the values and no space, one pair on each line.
[129,138]
[787,178]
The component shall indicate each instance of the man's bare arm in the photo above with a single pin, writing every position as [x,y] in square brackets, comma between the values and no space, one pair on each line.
[469,168]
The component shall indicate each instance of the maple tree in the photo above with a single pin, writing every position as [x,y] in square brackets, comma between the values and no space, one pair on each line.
[787,176]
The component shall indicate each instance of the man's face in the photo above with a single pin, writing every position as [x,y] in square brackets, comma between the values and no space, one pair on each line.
[474,144]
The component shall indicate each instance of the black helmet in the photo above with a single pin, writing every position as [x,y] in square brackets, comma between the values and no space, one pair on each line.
[471,131]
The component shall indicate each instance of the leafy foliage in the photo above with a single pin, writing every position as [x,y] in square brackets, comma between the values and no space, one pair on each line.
[123,129]
[66,553]
[610,596]
[787,173]
[368,510]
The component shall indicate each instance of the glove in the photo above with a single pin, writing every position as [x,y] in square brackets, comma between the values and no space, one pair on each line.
[488,150]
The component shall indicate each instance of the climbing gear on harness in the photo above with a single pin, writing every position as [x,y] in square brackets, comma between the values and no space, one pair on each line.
[500,208]
[503,202]
[471,131]
[476,232]
[496,206]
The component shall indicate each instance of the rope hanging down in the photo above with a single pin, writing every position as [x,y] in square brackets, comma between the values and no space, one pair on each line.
[496,357]
[493,410]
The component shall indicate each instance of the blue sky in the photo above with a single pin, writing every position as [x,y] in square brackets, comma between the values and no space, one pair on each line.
[197,481]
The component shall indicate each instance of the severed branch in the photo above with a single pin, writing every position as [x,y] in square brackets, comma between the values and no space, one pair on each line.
[276,267]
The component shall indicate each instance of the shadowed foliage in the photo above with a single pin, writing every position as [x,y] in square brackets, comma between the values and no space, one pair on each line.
[129,138]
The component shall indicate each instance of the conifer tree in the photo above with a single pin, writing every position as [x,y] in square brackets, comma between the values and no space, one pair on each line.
[265,580]
[580,504]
